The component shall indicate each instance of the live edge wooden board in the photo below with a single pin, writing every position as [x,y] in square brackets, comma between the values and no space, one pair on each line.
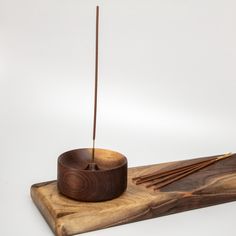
[210,186]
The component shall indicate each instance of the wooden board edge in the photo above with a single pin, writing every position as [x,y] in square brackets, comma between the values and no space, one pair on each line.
[168,208]
[43,209]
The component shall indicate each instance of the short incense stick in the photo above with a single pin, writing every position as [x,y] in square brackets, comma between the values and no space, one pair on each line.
[160,179]
[96,84]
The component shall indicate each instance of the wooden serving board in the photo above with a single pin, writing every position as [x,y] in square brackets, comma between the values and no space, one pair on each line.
[210,186]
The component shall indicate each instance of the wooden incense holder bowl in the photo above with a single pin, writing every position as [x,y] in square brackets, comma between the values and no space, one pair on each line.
[106,181]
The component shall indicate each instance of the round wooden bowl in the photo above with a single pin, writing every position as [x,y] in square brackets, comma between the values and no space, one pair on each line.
[105,181]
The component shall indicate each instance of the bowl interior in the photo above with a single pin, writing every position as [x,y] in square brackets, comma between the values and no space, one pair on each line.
[80,158]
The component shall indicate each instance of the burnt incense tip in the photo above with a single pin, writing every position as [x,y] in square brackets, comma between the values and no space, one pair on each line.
[225,156]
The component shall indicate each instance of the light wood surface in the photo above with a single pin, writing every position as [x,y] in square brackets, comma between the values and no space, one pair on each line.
[213,185]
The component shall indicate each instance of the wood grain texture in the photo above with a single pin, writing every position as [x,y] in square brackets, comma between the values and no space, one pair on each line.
[107,179]
[213,185]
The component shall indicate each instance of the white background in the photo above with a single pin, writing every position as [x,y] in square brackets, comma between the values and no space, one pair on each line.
[166,92]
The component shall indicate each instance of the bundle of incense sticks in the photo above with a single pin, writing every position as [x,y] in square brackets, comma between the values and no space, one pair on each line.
[159,179]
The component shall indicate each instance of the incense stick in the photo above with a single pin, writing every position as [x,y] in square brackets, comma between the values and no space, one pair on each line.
[149,177]
[164,178]
[96,83]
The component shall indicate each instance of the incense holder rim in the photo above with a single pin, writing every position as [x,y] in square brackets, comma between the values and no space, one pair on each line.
[64,156]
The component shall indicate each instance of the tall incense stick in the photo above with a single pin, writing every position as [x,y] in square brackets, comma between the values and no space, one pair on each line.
[96,83]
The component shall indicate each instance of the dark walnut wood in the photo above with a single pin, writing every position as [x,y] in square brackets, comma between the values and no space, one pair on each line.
[212,185]
[83,180]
